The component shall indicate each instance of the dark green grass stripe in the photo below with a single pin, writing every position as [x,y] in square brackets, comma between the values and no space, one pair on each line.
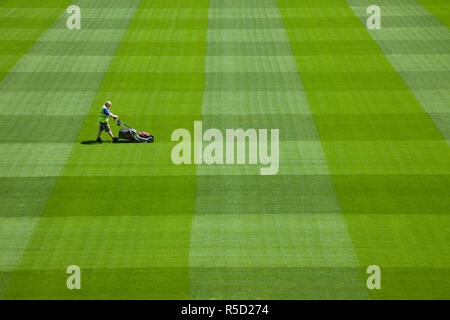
[26,22]
[106,283]
[52,4]
[133,196]
[229,23]
[316,283]
[302,194]
[377,80]
[15,47]
[24,196]
[414,194]
[252,81]
[230,48]
[296,127]
[235,283]
[285,194]
[295,194]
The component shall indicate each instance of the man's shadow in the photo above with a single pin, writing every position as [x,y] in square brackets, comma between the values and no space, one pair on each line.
[89,142]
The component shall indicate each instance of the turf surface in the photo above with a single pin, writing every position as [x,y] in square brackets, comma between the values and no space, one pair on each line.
[364,154]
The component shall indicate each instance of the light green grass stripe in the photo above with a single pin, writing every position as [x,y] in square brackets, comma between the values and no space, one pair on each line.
[244,221]
[312,34]
[14,234]
[422,63]
[50,102]
[63,64]
[40,159]
[43,159]
[247,102]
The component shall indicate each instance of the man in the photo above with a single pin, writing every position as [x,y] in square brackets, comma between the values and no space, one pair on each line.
[105,114]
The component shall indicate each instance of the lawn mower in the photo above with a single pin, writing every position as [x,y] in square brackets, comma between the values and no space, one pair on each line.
[131,134]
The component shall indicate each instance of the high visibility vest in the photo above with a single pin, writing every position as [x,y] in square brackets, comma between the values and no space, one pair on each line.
[103,116]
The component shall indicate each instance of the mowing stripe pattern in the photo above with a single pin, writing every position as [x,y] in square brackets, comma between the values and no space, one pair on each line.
[265,237]
[122,212]
[425,71]
[387,159]
[364,165]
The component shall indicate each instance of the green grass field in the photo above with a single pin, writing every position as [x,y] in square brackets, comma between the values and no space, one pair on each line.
[364,173]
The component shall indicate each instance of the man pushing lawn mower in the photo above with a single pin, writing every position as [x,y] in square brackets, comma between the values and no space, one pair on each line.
[105,114]
[126,133]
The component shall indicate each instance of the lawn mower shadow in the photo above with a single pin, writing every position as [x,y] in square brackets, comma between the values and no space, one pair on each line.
[89,142]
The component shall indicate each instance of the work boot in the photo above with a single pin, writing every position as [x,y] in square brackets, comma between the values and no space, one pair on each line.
[115,140]
[99,140]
